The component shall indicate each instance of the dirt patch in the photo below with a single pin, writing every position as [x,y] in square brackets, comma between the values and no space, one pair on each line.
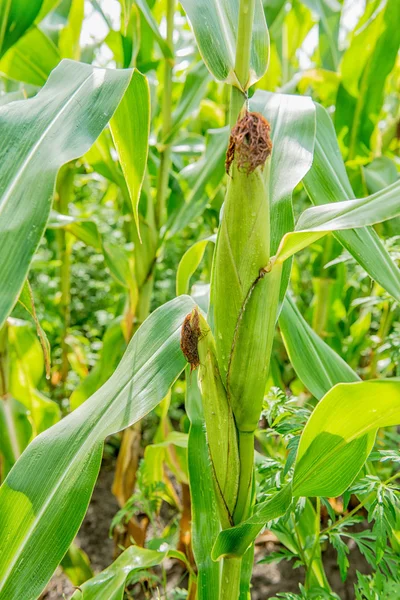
[267,581]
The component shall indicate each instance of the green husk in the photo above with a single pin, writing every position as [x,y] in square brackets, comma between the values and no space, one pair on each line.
[220,423]
[244,294]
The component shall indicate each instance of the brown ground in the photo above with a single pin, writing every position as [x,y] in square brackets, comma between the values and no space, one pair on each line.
[267,579]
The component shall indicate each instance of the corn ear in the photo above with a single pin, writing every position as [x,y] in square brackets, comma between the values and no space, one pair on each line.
[244,296]
[220,423]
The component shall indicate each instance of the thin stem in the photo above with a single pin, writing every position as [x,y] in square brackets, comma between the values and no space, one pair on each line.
[316,541]
[357,508]
[230,580]
[166,113]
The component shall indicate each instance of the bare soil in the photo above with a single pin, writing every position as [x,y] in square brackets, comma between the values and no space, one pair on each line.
[267,581]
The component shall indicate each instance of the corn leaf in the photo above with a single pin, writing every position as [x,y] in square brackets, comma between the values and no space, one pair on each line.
[31,59]
[205,522]
[215,26]
[130,127]
[15,18]
[45,496]
[340,434]
[57,125]
[110,583]
[327,181]
[317,365]
[317,221]
[189,263]
[366,64]
[292,120]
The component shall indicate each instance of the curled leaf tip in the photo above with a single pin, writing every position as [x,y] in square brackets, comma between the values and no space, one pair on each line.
[250,143]
[190,334]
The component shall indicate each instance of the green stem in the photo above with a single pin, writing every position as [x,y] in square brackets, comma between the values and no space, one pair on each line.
[230,580]
[242,59]
[166,113]
[315,548]
[357,508]
[243,47]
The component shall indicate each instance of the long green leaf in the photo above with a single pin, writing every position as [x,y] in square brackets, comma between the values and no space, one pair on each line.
[366,64]
[327,181]
[16,16]
[189,263]
[292,120]
[110,583]
[317,221]
[56,126]
[45,496]
[215,26]
[317,365]
[205,522]
[130,127]
[340,434]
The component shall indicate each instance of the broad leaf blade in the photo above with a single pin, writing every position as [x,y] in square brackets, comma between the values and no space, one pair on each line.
[316,364]
[31,59]
[317,221]
[57,125]
[45,496]
[292,120]
[215,26]
[327,181]
[340,434]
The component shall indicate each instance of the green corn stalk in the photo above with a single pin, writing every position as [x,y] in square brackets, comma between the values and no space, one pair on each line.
[244,302]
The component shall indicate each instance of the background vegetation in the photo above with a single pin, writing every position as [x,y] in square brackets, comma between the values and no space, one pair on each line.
[94,282]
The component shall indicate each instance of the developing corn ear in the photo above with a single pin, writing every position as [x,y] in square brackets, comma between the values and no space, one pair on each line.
[198,345]
[244,294]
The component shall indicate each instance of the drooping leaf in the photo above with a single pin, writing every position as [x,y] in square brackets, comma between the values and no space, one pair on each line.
[236,540]
[110,583]
[57,125]
[317,221]
[340,434]
[45,496]
[327,181]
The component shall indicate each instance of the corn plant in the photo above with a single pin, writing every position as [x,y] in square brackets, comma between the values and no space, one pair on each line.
[224,342]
